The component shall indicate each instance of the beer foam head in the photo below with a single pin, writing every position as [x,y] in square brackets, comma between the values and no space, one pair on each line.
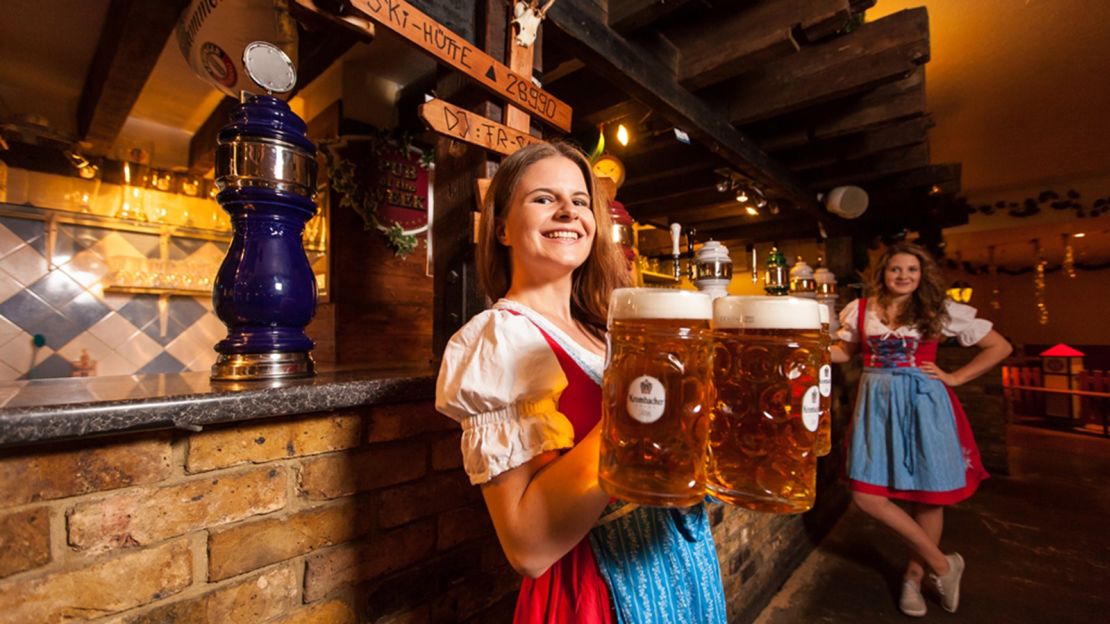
[823,313]
[766,313]
[659,303]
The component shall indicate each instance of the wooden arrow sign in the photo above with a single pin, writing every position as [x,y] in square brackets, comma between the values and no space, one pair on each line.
[464,125]
[412,24]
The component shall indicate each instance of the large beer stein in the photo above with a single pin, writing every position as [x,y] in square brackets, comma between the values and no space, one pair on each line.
[824,384]
[763,428]
[657,395]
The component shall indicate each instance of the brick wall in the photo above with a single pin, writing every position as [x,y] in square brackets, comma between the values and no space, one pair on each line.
[355,516]
[360,516]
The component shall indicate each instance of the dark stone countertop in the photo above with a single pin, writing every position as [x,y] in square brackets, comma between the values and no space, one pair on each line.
[56,409]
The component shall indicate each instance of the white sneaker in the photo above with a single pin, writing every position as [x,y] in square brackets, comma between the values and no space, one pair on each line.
[948,584]
[912,603]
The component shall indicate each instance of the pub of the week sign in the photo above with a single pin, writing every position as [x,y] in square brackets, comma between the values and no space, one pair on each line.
[412,24]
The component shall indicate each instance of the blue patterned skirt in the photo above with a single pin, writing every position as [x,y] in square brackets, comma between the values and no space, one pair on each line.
[904,433]
[661,566]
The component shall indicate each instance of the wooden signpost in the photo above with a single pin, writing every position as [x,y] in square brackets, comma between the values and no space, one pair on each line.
[514,84]
[412,24]
[464,125]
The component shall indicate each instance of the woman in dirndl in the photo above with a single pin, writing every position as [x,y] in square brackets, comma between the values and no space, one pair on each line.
[909,438]
[524,380]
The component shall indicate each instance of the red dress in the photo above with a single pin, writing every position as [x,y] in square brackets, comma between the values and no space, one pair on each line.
[926,351]
[572,590]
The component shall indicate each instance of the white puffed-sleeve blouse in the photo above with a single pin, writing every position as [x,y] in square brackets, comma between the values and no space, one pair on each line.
[962,323]
[500,379]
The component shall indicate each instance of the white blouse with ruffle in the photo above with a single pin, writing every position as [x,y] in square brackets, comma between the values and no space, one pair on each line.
[962,323]
[500,379]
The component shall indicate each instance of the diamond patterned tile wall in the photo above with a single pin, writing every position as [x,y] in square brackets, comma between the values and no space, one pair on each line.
[68,307]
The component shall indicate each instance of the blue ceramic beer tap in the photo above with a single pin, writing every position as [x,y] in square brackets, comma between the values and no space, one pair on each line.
[265,291]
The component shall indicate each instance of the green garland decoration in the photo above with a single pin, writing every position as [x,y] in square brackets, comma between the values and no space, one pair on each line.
[344,179]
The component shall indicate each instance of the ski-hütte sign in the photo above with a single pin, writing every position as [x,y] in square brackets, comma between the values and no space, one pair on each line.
[464,125]
[412,24]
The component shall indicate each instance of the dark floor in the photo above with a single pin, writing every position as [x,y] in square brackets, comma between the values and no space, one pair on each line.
[1036,542]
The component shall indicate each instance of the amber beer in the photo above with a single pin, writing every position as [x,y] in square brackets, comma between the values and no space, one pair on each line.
[824,385]
[657,394]
[763,428]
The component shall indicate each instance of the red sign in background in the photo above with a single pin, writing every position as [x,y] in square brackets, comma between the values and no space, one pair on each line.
[401,188]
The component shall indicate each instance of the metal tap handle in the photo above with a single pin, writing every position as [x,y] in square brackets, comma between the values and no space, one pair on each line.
[676,236]
[690,234]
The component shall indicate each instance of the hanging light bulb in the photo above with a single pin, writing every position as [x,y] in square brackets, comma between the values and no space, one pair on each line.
[1069,256]
[622,135]
[1039,283]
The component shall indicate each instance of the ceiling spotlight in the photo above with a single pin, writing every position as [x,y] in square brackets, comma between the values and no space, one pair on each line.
[1079,235]
[723,186]
[760,202]
[622,135]
[752,210]
[741,196]
[774,209]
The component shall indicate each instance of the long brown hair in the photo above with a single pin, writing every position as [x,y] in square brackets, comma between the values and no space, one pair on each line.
[925,309]
[593,281]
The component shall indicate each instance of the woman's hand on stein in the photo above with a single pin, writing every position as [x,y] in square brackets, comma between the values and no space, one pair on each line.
[934,372]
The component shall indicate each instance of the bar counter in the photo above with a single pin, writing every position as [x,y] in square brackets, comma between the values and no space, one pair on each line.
[57,409]
[339,498]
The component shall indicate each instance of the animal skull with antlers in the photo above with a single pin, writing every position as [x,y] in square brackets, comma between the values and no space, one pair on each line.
[527,17]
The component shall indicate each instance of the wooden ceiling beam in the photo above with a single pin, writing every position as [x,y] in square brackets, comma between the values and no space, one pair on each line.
[626,16]
[663,153]
[870,168]
[893,191]
[901,99]
[859,145]
[720,214]
[626,109]
[877,52]
[672,204]
[859,6]
[130,43]
[923,177]
[889,103]
[318,49]
[647,80]
[782,228]
[590,95]
[751,36]
[677,180]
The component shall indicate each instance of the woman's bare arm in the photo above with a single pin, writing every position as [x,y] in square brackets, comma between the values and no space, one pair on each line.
[843,351]
[993,348]
[541,509]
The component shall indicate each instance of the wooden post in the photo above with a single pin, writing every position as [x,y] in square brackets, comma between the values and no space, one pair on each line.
[458,164]
[520,61]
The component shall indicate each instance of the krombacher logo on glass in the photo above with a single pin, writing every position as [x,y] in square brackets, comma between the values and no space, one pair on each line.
[647,399]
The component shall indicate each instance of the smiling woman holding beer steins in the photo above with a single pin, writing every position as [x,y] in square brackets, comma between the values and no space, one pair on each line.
[910,439]
[524,380]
